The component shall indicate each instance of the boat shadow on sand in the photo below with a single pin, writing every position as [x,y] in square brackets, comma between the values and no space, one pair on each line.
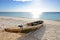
[34,35]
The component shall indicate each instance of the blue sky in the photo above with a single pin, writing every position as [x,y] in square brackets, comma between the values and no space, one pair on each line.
[28,6]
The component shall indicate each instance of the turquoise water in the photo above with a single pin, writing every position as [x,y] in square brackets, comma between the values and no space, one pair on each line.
[51,15]
[16,14]
[44,15]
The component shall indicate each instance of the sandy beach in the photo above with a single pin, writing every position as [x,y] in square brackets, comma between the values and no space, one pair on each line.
[49,31]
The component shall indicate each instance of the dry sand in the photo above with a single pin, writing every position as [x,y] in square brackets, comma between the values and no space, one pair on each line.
[50,30]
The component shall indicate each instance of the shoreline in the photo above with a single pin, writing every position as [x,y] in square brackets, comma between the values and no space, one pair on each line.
[49,31]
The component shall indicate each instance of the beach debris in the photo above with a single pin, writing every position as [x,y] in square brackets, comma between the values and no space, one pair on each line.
[26,28]
[20,25]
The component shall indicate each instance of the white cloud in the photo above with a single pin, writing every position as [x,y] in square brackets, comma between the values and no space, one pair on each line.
[22,0]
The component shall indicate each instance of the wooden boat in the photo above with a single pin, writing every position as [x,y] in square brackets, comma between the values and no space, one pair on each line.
[28,27]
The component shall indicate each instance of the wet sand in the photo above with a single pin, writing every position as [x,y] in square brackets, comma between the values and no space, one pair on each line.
[50,30]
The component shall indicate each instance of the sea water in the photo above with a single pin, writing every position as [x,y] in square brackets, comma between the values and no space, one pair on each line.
[50,15]
[43,15]
[16,14]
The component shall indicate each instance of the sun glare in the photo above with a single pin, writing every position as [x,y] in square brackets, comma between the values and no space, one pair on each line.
[36,13]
